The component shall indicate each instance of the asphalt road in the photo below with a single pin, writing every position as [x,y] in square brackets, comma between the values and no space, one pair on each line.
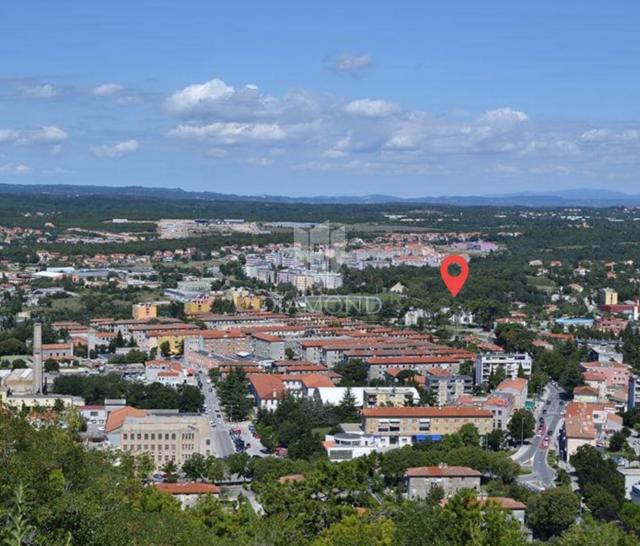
[222,444]
[534,458]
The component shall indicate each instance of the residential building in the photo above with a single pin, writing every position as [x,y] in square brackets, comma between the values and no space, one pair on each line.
[57,351]
[421,480]
[268,347]
[512,363]
[607,296]
[397,427]
[631,477]
[144,311]
[188,494]
[589,424]
[446,386]
[518,388]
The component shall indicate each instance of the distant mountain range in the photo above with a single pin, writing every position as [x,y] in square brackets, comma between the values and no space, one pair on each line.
[563,198]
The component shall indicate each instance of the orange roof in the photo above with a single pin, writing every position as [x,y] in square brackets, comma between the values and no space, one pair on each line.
[191,488]
[311,380]
[409,411]
[267,337]
[50,346]
[578,419]
[267,386]
[390,360]
[519,384]
[441,471]
[117,417]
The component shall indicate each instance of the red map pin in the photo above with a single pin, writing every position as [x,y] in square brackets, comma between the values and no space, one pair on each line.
[454,284]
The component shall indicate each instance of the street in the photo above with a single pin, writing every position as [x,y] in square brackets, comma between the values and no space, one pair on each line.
[534,457]
[222,444]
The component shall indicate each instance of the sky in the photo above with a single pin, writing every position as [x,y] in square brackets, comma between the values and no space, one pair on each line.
[406,98]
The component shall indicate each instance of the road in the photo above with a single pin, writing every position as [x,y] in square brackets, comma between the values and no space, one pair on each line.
[222,444]
[534,458]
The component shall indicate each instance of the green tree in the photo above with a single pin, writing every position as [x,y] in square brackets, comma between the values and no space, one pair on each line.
[234,395]
[495,439]
[521,425]
[51,365]
[357,530]
[353,373]
[551,512]
[165,349]
[347,410]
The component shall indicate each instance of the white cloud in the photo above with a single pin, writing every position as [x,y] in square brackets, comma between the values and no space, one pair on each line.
[107,89]
[261,161]
[197,96]
[504,168]
[8,135]
[117,150]
[217,152]
[45,91]
[371,108]
[47,133]
[231,132]
[503,115]
[353,65]
[11,168]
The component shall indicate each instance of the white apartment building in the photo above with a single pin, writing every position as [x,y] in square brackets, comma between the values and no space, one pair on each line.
[488,363]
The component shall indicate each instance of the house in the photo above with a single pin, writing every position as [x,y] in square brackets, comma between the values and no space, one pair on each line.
[631,477]
[421,480]
[589,424]
[518,388]
[188,493]
[57,351]
[397,288]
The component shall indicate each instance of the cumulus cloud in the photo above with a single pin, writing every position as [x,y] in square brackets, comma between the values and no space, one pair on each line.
[44,134]
[327,132]
[12,168]
[231,132]
[371,108]
[116,150]
[353,65]
[8,135]
[199,96]
[45,91]
[260,161]
[107,89]
[47,133]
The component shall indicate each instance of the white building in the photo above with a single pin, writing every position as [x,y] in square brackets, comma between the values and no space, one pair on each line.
[488,363]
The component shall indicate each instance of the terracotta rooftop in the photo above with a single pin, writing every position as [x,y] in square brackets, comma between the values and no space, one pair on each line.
[117,417]
[188,488]
[441,471]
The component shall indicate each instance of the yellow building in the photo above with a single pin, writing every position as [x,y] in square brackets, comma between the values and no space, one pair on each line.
[242,299]
[143,311]
[608,296]
[198,305]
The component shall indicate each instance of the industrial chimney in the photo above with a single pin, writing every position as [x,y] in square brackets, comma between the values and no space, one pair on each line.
[37,358]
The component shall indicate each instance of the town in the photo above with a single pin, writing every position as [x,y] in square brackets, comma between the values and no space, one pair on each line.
[214,366]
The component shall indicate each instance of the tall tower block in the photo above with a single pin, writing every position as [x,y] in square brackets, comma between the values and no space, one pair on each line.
[37,358]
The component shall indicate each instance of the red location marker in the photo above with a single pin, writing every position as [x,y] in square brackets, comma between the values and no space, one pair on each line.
[454,284]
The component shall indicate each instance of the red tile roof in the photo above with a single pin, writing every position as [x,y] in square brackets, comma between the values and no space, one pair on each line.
[441,471]
[117,417]
[188,488]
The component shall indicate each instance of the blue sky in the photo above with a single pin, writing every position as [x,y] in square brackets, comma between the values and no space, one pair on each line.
[296,98]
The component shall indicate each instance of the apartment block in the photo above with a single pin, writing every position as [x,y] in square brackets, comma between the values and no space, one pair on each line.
[488,363]
[397,427]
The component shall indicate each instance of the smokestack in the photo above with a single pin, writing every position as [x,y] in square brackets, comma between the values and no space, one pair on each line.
[37,358]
